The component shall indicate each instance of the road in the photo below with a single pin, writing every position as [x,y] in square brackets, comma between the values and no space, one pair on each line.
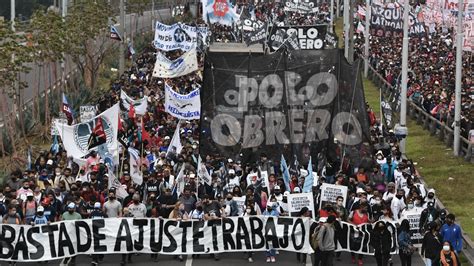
[227,259]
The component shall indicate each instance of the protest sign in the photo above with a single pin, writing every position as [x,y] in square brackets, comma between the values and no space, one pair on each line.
[176,36]
[181,106]
[219,11]
[308,37]
[240,204]
[54,129]
[329,194]
[64,239]
[387,20]
[87,112]
[299,6]
[297,201]
[140,105]
[166,68]
[413,216]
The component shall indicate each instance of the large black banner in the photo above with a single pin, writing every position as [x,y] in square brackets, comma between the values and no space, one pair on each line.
[299,104]
[307,37]
[387,21]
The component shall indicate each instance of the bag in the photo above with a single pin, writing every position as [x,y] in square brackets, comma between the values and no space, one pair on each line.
[314,238]
[408,250]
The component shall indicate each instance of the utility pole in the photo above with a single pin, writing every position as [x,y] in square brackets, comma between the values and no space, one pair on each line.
[458,84]
[12,14]
[63,64]
[350,51]
[367,35]
[403,104]
[122,43]
[332,16]
[338,8]
[346,28]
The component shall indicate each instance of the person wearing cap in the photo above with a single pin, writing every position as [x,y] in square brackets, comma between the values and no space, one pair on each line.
[39,218]
[49,211]
[277,193]
[390,193]
[29,208]
[431,245]
[70,213]
[326,241]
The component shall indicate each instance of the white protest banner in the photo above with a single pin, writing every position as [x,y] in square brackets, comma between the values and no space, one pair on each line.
[357,238]
[87,112]
[54,129]
[181,106]
[166,68]
[240,204]
[176,36]
[297,201]
[329,194]
[64,239]
[175,146]
[413,216]
[301,7]
[120,191]
[139,105]
[76,137]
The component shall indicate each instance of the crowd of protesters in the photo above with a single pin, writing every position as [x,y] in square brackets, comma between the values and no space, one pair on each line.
[380,188]
[431,74]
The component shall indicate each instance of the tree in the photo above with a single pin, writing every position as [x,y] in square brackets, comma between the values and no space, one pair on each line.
[48,31]
[14,55]
[87,37]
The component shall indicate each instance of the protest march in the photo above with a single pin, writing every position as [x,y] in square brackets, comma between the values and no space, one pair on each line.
[198,152]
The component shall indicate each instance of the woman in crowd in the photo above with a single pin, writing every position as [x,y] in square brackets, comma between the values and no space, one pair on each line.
[432,245]
[405,246]
[447,256]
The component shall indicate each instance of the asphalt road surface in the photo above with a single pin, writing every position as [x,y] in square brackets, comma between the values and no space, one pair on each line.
[227,259]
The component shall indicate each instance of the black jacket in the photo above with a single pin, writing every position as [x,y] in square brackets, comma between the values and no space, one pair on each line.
[431,246]
[381,241]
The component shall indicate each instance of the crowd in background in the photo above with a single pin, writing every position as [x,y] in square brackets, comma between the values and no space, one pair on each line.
[431,74]
[380,188]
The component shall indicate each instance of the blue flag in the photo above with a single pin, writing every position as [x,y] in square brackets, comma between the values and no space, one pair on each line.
[55,145]
[309,180]
[114,34]
[285,172]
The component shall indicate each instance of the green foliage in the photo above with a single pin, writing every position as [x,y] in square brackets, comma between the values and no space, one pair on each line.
[48,32]
[14,54]
[138,6]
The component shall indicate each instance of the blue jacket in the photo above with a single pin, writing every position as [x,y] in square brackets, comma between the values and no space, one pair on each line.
[453,235]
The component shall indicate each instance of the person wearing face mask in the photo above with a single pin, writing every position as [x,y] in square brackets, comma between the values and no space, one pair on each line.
[277,193]
[136,208]
[12,217]
[431,245]
[406,248]
[390,193]
[430,197]
[29,208]
[70,213]
[231,208]
[271,211]
[21,193]
[39,218]
[398,204]
[428,215]
[447,256]
[451,232]
[381,241]
[66,178]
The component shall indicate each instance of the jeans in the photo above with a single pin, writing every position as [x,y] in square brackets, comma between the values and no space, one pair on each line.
[270,253]
[327,258]
[428,262]
[316,257]
[405,258]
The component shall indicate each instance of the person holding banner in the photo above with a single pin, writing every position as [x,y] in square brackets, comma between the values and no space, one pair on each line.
[271,211]
[326,241]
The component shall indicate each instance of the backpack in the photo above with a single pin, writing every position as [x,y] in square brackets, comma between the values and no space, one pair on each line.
[314,237]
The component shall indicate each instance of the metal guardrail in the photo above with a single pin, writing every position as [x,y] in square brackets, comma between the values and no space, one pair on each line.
[430,123]
[435,127]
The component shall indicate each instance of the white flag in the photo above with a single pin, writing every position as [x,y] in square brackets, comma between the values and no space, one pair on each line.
[76,137]
[180,181]
[203,174]
[175,144]
[140,105]
[166,68]
[135,172]
[120,191]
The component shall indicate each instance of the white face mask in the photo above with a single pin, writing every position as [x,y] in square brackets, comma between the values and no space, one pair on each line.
[446,248]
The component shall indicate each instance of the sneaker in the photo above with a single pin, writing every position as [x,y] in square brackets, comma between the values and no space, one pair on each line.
[272,259]
[360,263]
[250,260]
[268,259]
[277,252]
[180,257]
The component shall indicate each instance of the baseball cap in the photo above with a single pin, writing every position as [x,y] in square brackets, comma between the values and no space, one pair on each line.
[231,171]
[71,205]
[296,190]
[40,209]
[29,194]
[276,187]
[97,205]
